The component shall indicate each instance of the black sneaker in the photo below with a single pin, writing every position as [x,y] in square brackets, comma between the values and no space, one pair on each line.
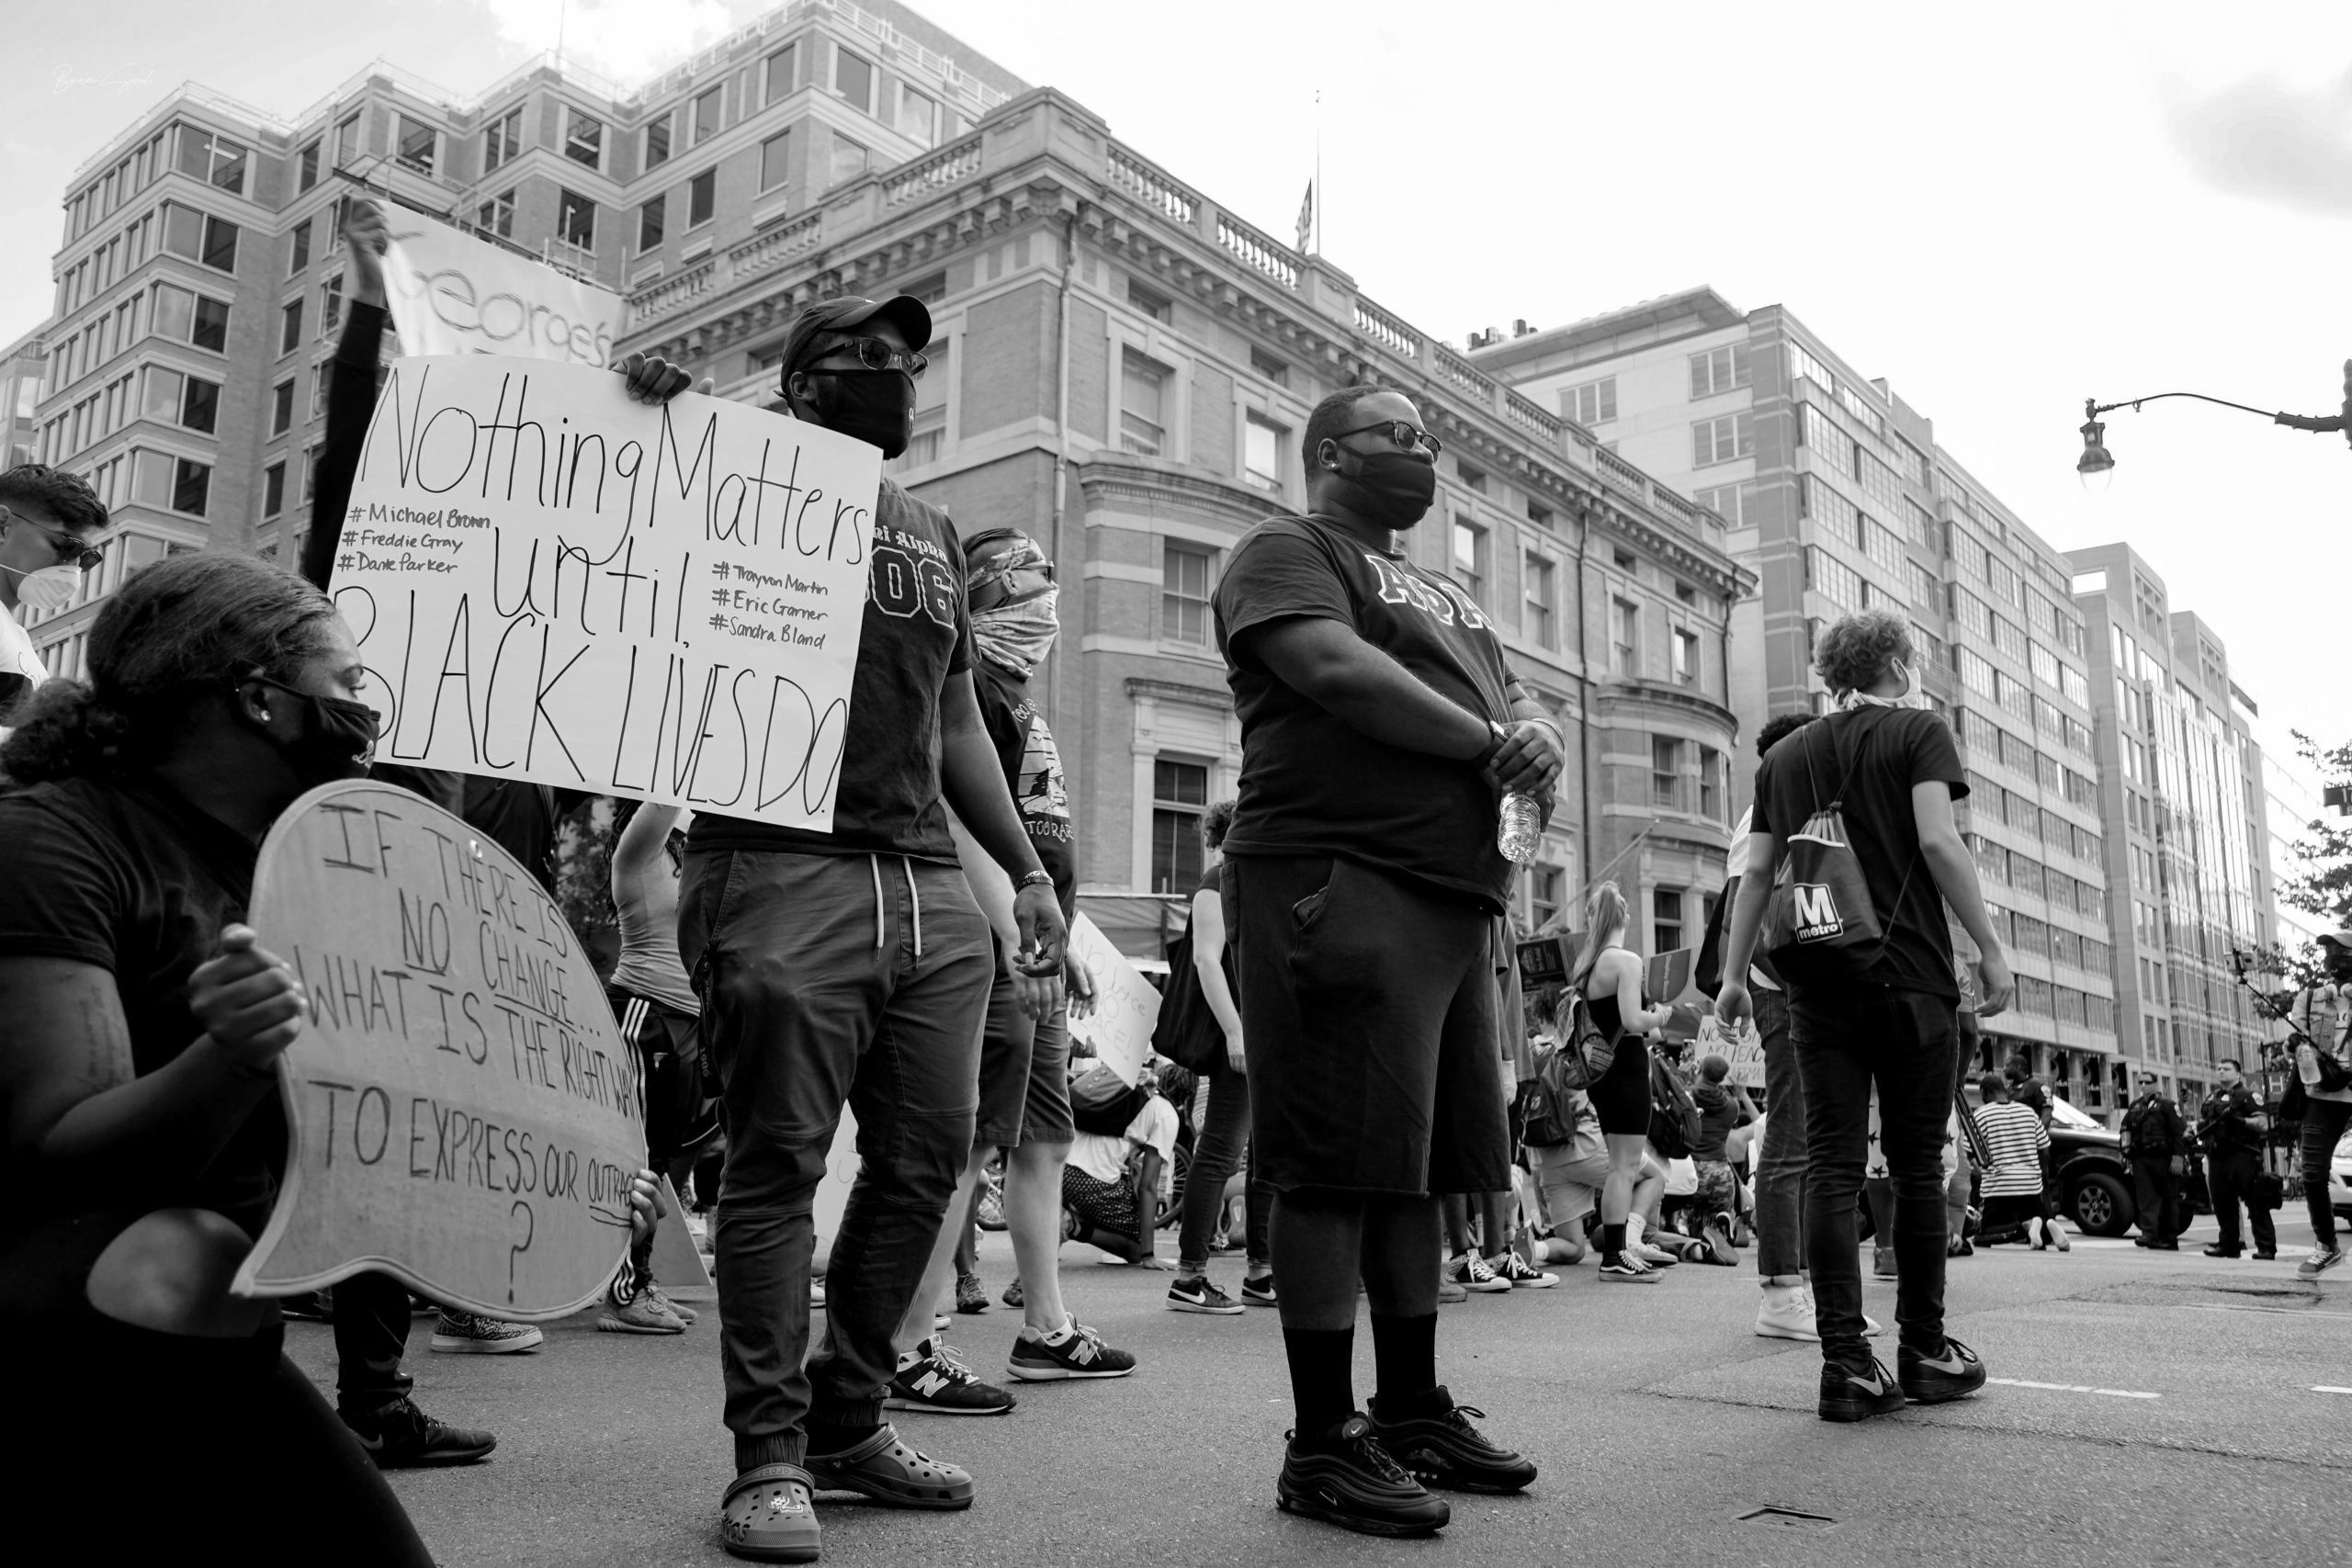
[936,1379]
[1445,1451]
[1848,1394]
[1080,1353]
[1956,1374]
[1258,1291]
[401,1437]
[1354,1483]
[2218,1250]
[1201,1296]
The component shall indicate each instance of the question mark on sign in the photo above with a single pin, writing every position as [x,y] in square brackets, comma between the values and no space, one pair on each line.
[530,1227]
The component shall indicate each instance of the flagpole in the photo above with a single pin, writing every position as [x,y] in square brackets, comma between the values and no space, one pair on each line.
[1316,214]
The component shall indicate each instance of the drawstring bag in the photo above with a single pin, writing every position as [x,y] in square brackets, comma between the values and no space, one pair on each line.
[1821,899]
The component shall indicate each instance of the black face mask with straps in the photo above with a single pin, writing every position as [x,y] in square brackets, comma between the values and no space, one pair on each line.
[338,738]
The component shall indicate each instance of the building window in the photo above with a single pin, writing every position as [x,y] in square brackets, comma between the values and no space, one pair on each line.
[346,139]
[702,197]
[775,160]
[575,220]
[849,160]
[1711,783]
[929,435]
[657,142]
[1625,636]
[1180,793]
[583,139]
[273,490]
[1727,502]
[201,237]
[1544,884]
[1272,369]
[1721,440]
[853,78]
[330,304]
[1666,920]
[309,168]
[1541,577]
[709,106]
[1719,370]
[1184,594]
[213,159]
[779,74]
[1595,402]
[416,145]
[1470,557]
[917,117]
[189,402]
[289,333]
[648,223]
[496,216]
[504,140]
[191,486]
[1150,301]
[1666,773]
[1261,452]
[1686,657]
[1143,385]
[191,317]
[299,251]
[930,290]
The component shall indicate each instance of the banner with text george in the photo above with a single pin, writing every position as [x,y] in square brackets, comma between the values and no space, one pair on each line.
[450,293]
[554,584]
[463,1114]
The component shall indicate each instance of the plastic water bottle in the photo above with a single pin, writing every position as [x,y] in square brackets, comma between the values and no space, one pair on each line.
[1519,825]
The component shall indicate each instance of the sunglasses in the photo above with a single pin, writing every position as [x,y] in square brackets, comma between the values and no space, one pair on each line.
[1406,434]
[874,354]
[69,548]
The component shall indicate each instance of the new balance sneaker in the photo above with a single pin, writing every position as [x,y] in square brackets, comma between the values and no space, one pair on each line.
[1072,1351]
[932,1377]
[400,1437]
[1938,1380]
[971,1296]
[641,1313]
[1349,1480]
[1258,1290]
[2318,1261]
[1786,1313]
[1201,1296]
[1624,1269]
[1849,1394]
[1442,1449]
[1470,1271]
[1518,1272]
[470,1334]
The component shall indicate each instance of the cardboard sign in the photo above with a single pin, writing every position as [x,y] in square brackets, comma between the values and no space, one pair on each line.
[552,582]
[1125,1004]
[1666,977]
[464,1115]
[1743,1048]
[451,293]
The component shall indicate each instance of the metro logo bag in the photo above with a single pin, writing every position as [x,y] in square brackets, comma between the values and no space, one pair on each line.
[1821,900]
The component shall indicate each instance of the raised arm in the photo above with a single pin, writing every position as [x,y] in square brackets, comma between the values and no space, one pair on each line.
[351,389]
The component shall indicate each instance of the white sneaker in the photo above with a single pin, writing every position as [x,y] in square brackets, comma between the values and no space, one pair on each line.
[1786,1313]
[1871,1327]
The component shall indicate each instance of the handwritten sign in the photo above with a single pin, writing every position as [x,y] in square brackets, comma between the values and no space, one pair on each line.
[450,293]
[1126,1005]
[1742,1047]
[556,584]
[464,1115]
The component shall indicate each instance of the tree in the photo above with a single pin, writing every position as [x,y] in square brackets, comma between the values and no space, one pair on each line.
[2321,884]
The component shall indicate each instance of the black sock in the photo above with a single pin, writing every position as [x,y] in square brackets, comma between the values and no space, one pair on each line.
[1322,1383]
[1404,1353]
[1612,1240]
[825,1438]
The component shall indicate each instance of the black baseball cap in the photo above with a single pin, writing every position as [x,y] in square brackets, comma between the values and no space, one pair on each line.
[909,314]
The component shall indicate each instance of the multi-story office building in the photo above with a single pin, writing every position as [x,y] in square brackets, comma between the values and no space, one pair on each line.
[24,366]
[2189,851]
[1120,365]
[1836,494]
[2292,804]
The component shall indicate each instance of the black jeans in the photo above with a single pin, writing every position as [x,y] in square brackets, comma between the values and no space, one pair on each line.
[2324,1124]
[1904,1042]
[1780,1166]
[371,1316]
[2157,1190]
[1217,1150]
[2229,1175]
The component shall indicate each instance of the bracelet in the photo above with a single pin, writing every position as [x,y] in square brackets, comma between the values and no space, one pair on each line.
[1034,878]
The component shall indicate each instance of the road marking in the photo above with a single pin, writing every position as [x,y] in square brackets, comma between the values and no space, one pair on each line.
[2221,1306]
[2074,1388]
[2323,1388]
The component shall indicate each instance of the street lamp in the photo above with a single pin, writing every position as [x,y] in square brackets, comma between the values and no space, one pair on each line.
[2096,467]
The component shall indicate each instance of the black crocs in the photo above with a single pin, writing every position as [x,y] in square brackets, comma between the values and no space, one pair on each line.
[886,1471]
[768,1515]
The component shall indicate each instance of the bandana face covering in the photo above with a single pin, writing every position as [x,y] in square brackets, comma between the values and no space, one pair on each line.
[1912,693]
[1014,634]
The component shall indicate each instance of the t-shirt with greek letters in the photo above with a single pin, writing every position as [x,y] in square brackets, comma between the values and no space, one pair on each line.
[1312,783]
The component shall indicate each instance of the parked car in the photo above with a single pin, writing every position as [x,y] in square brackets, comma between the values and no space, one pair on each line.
[2094,1179]
[2339,1178]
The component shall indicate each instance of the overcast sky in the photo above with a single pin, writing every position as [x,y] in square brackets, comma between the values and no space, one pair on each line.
[2001,212]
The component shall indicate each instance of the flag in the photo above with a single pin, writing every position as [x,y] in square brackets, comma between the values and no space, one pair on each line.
[1307,216]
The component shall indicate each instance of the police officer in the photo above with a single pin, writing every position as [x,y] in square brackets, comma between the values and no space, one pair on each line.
[2156,1140]
[2229,1126]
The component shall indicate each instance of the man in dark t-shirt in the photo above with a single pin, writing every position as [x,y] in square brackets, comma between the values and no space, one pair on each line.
[1379,729]
[1881,1013]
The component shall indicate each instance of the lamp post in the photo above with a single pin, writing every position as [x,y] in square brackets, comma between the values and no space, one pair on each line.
[2096,467]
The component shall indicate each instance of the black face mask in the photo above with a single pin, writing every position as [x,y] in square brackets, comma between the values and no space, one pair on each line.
[1391,489]
[338,739]
[877,407]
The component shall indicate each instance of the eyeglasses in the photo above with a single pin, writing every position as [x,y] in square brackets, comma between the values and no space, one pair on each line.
[69,547]
[876,355]
[1403,432]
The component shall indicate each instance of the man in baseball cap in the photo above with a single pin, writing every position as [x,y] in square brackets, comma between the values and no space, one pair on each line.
[807,948]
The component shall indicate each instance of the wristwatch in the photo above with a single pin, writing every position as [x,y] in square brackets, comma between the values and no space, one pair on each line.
[1040,876]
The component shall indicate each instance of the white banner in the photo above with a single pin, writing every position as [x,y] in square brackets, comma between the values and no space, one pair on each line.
[451,293]
[554,584]
[1125,1004]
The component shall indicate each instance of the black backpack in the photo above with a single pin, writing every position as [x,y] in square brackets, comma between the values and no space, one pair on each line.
[1820,903]
[1674,1115]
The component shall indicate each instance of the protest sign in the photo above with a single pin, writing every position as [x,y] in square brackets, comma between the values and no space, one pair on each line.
[554,584]
[1743,1048]
[1125,1004]
[464,1116]
[1667,979]
[451,293]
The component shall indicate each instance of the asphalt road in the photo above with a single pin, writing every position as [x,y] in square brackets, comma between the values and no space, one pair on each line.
[2162,1408]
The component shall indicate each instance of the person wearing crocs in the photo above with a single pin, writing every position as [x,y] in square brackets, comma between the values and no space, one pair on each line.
[809,950]
[1380,728]
[1875,1014]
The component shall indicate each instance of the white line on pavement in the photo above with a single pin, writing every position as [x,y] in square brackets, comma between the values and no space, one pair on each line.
[2073,1388]
[2323,1388]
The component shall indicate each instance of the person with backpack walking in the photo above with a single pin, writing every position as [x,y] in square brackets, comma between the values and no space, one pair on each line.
[2156,1140]
[1855,850]
[1607,982]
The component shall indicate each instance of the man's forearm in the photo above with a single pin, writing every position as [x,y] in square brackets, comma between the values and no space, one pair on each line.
[1746,920]
[976,791]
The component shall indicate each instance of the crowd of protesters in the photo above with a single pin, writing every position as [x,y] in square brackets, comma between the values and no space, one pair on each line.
[1372,1103]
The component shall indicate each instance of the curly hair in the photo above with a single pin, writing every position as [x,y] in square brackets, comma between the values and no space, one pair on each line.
[180,625]
[1216,821]
[1779,726]
[1853,654]
[63,496]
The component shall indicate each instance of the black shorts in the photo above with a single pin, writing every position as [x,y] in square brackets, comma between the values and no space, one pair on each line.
[1622,1099]
[1024,1075]
[681,1114]
[1369,1005]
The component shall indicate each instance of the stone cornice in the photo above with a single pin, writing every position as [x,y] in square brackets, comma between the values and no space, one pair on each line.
[1177,692]
[1145,477]
[1621,693]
